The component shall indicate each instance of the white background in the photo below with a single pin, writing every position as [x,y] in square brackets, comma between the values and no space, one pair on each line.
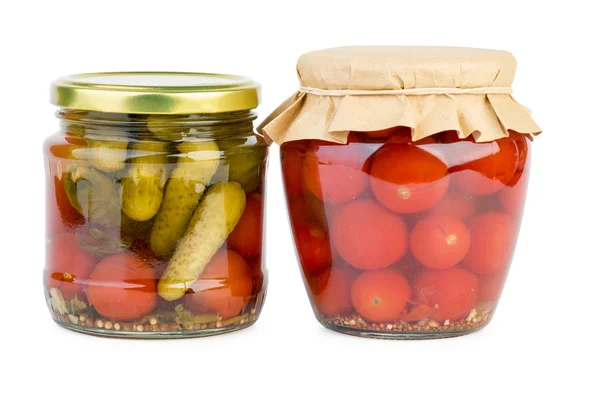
[546,326]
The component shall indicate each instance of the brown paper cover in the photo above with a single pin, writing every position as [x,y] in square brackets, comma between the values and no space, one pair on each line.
[485,116]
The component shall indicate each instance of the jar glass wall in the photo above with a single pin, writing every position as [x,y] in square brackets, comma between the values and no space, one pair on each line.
[400,239]
[155,223]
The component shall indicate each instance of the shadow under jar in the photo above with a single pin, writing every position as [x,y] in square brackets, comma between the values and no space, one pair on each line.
[155,208]
[400,234]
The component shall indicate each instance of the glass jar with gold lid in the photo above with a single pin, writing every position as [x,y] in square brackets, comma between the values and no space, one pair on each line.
[155,204]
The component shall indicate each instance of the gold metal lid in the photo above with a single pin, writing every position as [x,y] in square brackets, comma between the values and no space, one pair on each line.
[155,92]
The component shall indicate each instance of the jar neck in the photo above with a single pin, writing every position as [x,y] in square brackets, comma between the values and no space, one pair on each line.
[171,127]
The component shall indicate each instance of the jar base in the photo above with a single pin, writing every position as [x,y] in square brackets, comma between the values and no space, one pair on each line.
[154,334]
[404,335]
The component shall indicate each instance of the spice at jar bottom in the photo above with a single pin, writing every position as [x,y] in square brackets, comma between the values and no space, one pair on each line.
[155,206]
[353,324]
[167,321]
[405,182]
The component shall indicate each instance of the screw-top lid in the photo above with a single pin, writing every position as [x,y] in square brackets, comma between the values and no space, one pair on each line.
[155,92]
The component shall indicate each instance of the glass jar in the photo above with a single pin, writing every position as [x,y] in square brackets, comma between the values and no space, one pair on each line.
[417,251]
[405,231]
[155,186]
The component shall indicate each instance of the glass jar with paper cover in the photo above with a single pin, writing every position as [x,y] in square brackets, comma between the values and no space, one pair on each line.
[155,186]
[405,172]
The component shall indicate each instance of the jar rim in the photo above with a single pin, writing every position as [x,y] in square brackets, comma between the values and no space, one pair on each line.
[155,92]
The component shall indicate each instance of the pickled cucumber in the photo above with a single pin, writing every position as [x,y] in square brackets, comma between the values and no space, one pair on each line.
[95,195]
[216,216]
[105,154]
[183,193]
[145,180]
[241,163]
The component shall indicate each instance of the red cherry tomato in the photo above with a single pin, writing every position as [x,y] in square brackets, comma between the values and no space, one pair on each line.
[334,296]
[334,172]
[490,288]
[122,287]
[495,166]
[246,238]
[313,247]
[440,241]
[456,204]
[292,156]
[368,236]
[224,287]
[493,236]
[380,295]
[512,198]
[68,265]
[408,179]
[451,292]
